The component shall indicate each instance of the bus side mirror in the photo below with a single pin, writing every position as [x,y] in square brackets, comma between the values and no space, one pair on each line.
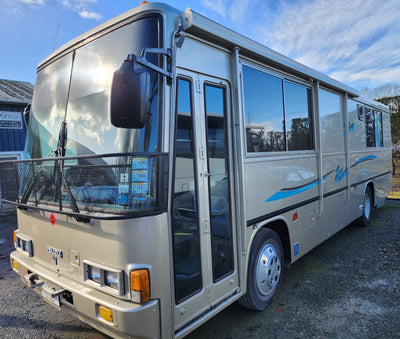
[130,93]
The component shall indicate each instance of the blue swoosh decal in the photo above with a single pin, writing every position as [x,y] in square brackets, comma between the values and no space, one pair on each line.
[286,194]
[340,174]
[368,157]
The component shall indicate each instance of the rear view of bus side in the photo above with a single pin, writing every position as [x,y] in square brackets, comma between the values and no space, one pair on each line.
[173,167]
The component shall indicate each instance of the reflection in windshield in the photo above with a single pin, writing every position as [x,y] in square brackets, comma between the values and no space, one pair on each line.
[102,183]
[88,117]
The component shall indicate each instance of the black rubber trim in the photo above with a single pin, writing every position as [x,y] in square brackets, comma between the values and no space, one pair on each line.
[283,210]
[372,178]
[334,192]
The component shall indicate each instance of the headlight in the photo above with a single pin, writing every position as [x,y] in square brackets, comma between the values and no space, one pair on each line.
[94,274]
[111,279]
[104,278]
[23,243]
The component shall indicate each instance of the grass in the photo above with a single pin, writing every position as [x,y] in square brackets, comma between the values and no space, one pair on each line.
[394,195]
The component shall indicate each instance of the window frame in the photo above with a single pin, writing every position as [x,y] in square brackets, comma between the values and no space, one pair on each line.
[342,112]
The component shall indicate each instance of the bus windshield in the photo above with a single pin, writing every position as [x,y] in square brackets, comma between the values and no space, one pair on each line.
[75,91]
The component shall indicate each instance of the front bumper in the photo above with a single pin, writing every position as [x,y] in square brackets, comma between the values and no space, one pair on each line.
[129,319]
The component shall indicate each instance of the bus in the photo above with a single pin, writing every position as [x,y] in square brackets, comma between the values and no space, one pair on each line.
[173,167]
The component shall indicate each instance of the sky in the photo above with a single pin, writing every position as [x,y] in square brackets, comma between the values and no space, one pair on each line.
[354,41]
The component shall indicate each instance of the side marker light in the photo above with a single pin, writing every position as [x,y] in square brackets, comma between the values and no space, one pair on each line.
[106,314]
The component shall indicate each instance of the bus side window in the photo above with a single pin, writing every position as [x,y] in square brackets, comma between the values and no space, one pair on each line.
[278,113]
[370,127]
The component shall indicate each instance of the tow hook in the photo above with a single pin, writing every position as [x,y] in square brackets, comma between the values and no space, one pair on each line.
[33,279]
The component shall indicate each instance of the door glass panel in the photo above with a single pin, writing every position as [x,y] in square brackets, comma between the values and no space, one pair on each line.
[186,242]
[221,233]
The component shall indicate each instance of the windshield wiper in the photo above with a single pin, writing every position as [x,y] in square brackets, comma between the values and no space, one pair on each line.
[59,167]
[58,174]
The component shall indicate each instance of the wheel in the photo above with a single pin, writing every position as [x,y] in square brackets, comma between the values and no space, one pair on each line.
[265,271]
[367,209]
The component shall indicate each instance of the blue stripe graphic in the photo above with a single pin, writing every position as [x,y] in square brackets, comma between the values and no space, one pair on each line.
[368,157]
[341,173]
[286,194]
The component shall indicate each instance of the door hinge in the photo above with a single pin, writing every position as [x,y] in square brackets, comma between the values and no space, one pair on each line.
[198,86]
[202,153]
[208,291]
[206,227]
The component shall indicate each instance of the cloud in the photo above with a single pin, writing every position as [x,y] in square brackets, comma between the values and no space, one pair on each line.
[19,6]
[218,6]
[354,41]
[90,15]
[83,8]
[235,11]
[32,2]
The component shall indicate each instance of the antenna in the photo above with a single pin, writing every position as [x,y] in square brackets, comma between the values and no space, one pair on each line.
[55,38]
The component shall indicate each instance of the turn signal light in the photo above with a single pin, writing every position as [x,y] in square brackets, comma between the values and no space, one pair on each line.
[14,265]
[15,236]
[140,286]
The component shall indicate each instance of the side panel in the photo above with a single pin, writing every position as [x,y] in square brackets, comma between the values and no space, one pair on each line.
[202,58]
[276,184]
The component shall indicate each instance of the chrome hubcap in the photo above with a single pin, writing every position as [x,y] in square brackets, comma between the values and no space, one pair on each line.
[367,206]
[268,270]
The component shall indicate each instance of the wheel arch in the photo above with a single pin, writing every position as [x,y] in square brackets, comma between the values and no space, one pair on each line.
[279,226]
[372,189]
[275,230]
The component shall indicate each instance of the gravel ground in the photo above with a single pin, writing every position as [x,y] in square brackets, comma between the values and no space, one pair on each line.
[347,287]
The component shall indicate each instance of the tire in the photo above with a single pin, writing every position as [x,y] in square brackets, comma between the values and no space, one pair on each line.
[265,271]
[365,218]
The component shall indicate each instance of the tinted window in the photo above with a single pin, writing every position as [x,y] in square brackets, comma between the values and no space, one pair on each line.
[373,127]
[298,117]
[370,127]
[221,232]
[331,118]
[378,129]
[263,101]
[276,118]
[185,226]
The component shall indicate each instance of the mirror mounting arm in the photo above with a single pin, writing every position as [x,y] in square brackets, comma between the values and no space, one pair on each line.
[144,62]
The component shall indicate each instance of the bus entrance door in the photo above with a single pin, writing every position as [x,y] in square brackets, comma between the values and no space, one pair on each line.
[204,239]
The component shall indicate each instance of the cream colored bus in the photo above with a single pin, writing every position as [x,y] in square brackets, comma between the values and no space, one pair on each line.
[173,167]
